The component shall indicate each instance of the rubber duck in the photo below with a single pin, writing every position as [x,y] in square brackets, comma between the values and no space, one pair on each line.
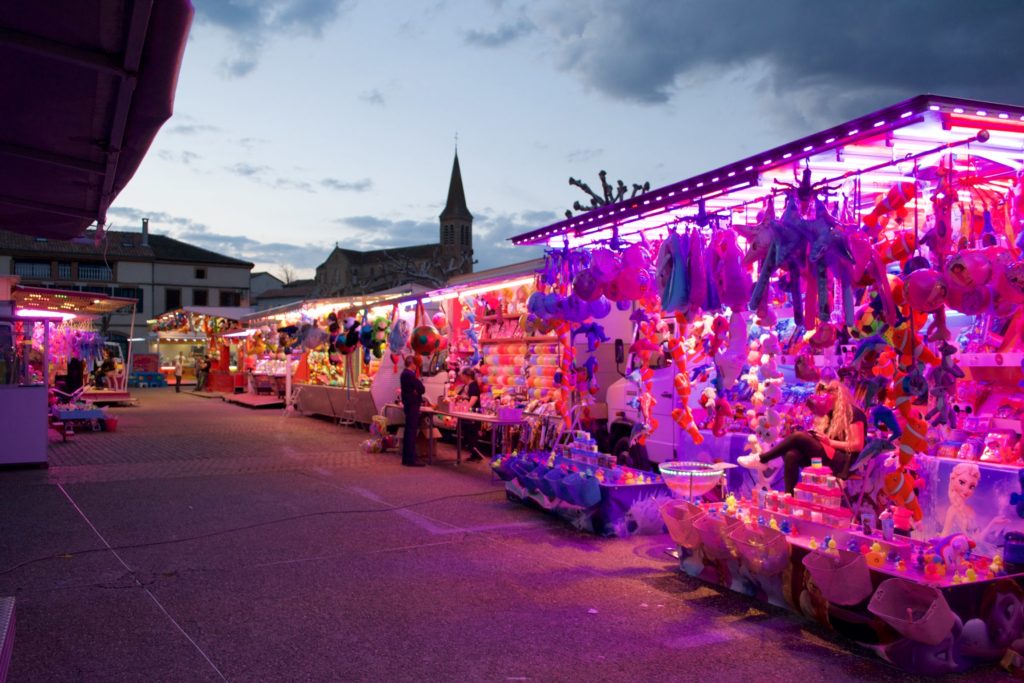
[970,574]
[772,524]
[901,566]
[813,544]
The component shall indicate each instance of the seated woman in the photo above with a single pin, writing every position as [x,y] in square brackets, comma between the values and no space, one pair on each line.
[837,437]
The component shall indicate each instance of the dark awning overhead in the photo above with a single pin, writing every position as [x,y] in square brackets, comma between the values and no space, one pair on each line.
[84,87]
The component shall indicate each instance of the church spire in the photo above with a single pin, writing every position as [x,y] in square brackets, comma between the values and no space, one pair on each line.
[456,209]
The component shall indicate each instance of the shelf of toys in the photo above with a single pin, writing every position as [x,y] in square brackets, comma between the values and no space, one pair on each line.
[585,487]
[884,254]
[196,333]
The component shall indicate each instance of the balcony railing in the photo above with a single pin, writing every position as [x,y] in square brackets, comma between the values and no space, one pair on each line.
[89,271]
[36,271]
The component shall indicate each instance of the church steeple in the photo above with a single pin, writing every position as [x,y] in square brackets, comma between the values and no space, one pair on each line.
[455,209]
[457,221]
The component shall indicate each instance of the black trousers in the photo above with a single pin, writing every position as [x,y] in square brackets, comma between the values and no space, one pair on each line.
[177,384]
[470,435]
[412,428]
[796,451]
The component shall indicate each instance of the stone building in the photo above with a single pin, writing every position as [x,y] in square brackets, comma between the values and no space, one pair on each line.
[347,271]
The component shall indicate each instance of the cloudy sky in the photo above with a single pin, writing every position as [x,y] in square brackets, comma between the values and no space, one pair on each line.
[304,123]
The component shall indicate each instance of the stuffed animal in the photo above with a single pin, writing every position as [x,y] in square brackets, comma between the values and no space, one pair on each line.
[899,487]
[594,332]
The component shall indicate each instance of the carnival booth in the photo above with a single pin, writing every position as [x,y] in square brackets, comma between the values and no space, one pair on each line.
[329,349]
[198,333]
[50,349]
[860,287]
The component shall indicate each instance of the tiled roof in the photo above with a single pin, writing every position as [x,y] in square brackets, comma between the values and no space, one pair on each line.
[300,292]
[169,249]
[115,244]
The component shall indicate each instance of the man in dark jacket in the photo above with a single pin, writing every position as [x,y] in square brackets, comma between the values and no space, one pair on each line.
[412,399]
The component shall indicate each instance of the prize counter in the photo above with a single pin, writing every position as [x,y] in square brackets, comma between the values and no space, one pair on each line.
[338,403]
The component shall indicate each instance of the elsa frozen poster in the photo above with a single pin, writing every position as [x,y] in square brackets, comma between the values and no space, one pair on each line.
[964,497]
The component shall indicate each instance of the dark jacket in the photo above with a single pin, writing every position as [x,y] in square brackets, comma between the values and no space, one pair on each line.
[412,389]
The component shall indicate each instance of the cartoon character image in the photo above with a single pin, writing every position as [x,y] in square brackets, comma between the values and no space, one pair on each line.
[963,481]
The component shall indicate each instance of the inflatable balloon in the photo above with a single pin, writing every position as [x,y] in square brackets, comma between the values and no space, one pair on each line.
[586,286]
[600,308]
[440,320]
[925,290]
[636,256]
[576,309]
[971,301]
[968,270]
[633,283]
[624,305]
[605,264]
[1010,283]
[425,340]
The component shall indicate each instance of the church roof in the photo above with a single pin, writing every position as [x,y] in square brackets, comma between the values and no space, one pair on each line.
[456,208]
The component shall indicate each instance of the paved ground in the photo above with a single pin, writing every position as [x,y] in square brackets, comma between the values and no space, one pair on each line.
[203,541]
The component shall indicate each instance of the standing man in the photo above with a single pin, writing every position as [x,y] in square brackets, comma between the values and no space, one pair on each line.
[179,366]
[412,399]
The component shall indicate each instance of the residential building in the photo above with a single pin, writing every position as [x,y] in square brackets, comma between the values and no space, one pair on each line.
[297,290]
[347,271]
[261,282]
[159,272]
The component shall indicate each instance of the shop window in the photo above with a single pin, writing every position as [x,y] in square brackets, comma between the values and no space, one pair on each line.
[200,297]
[200,273]
[172,299]
[130,293]
[230,298]
[37,270]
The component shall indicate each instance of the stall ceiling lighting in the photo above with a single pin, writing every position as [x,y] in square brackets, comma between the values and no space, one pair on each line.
[922,115]
[39,313]
[457,294]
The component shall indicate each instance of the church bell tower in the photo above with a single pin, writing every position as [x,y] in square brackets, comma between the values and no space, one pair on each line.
[457,222]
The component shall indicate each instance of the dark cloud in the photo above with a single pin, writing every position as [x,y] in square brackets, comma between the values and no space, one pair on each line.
[373,232]
[823,57]
[304,257]
[347,186]
[503,35]
[252,23]
[491,233]
[373,96]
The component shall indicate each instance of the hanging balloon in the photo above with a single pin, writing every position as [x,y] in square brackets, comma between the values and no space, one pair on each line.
[576,309]
[425,340]
[586,286]
[440,320]
[633,283]
[636,256]
[605,264]
[1010,283]
[535,304]
[968,270]
[971,301]
[600,308]
[612,291]
[925,290]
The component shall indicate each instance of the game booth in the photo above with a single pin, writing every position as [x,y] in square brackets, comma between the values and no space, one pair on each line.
[321,356]
[195,332]
[860,288]
[51,356]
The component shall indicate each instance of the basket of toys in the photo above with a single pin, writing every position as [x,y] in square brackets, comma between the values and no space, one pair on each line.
[842,576]
[679,516]
[714,531]
[917,611]
[762,550]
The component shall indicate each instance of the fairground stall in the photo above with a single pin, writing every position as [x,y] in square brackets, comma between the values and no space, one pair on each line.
[52,354]
[197,333]
[484,321]
[321,355]
[874,265]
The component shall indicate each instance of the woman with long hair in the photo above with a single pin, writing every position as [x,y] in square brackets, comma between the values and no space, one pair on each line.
[837,437]
[471,428]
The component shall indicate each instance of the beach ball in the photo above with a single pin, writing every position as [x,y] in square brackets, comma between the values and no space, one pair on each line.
[576,309]
[440,320]
[925,290]
[605,264]
[586,286]
[425,340]
[633,283]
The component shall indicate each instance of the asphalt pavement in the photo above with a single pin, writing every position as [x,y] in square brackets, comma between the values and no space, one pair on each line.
[204,541]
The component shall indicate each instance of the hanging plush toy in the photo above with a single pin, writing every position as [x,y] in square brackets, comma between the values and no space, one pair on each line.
[893,204]
[788,250]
